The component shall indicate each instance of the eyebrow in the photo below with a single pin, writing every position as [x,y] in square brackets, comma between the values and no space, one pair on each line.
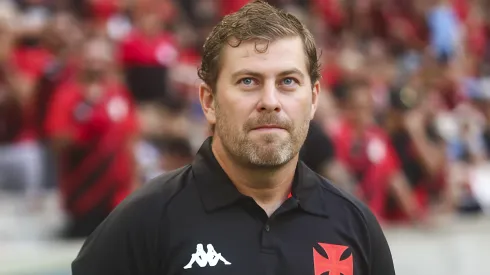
[292,71]
[245,72]
[256,74]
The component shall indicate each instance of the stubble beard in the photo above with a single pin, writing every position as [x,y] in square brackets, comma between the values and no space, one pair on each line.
[271,151]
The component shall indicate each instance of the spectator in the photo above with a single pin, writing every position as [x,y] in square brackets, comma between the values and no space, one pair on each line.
[60,38]
[366,151]
[418,147]
[92,127]
[20,153]
[146,55]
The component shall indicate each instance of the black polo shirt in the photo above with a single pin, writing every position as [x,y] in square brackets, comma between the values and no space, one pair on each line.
[194,221]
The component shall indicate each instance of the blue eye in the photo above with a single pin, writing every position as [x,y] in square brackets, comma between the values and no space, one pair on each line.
[289,81]
[247,81]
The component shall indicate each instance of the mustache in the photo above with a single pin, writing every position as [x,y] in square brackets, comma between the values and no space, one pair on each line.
[268,119]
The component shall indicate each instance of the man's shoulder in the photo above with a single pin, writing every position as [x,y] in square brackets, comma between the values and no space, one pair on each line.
[354,217]
[136,227]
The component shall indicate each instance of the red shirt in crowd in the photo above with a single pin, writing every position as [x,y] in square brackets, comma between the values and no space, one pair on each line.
[228,6]
[461,9]
[55,74]
[104,9]
[31,60]
[97,168]
[331,74]
[139,49]
[331,11]
[29,63]
[371,158]
[477,39]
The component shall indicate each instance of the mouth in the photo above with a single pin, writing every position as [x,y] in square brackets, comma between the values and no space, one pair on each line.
[268,127]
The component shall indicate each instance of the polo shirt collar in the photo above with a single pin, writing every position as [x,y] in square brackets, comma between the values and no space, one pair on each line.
[218,191]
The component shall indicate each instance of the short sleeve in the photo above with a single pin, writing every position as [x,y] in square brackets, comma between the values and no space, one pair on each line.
[381,259]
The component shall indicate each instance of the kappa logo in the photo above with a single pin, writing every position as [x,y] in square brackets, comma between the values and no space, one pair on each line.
[203,258]
[333,264]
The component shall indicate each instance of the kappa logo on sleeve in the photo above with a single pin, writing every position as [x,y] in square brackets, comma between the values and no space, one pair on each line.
[203,258]
[333,264]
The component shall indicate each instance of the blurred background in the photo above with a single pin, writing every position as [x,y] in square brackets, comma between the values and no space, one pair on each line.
[99,96]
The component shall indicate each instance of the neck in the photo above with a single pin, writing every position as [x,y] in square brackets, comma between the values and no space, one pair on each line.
[269,187]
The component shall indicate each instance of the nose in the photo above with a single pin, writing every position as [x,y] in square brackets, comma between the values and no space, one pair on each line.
[269,101]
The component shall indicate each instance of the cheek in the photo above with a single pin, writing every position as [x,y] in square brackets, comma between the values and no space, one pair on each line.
[298,109]
[228,116]
[235,111]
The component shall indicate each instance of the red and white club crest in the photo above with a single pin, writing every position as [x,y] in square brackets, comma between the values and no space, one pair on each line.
[333,264]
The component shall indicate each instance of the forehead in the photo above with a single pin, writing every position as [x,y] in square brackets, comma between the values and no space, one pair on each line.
[282,54]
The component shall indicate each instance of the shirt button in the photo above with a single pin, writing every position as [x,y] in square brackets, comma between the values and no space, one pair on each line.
[267,228]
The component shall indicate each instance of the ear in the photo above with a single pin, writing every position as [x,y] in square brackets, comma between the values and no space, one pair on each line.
[315,98]
[207,99]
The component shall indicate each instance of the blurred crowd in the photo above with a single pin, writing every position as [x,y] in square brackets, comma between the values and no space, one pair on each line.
[99,96]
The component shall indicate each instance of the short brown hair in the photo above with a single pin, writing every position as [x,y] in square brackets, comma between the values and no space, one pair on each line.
[256,20]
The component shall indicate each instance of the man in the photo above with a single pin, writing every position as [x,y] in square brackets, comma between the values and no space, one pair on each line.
[60,37]
[146,54]
[20,153]
[91,126]
[365,149]
[245,193]
[420,150]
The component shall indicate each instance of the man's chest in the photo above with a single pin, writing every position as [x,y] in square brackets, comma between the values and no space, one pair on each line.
[287,245]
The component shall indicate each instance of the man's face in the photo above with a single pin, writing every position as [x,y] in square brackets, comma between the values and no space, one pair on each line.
[97,58]
[361,112]
[263,102]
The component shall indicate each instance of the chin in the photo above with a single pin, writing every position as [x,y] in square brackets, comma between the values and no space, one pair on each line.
[270,157]
[269,163]
[270,138]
